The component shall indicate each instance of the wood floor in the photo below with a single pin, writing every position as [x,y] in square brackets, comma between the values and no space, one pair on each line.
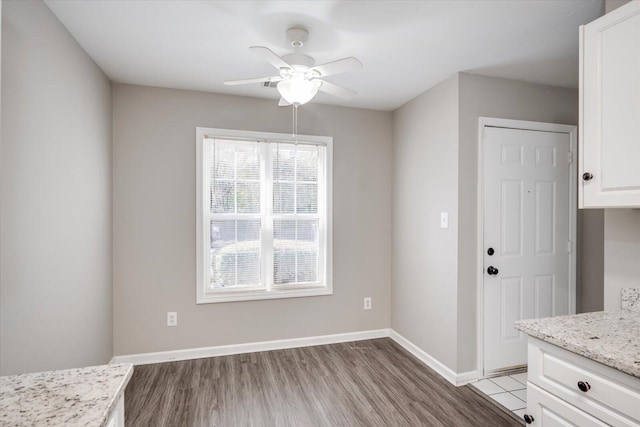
[363,383]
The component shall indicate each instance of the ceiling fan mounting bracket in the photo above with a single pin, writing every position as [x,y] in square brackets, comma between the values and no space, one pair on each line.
[297,36]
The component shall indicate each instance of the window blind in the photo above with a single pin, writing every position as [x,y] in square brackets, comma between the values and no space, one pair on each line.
[235,215]
[266,214]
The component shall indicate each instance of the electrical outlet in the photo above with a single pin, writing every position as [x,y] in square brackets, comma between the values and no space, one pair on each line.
[172,318]
[367,303]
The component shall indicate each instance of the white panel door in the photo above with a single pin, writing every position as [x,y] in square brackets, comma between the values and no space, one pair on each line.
[526,232]
[610,110]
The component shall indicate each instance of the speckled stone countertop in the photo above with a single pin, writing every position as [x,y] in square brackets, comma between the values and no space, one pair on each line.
[70,397]
[631,299]
[611,338]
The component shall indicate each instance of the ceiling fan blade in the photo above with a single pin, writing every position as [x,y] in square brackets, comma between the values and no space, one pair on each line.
[283,102]
[335,90]
[336,67]
[268,55]
[248,81]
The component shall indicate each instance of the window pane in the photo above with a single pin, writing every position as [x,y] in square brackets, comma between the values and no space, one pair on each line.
[223,160]
[248,197]
[283,198]
[284,255]
[307,250]
[235,178]
[223,254]
[248,274]
[284,163]
[306,198]
[223,198]
[307,266]
[295,251]
[235,253]
[307,233]
[284,235]
[307,165]
[284,267]
[248,162]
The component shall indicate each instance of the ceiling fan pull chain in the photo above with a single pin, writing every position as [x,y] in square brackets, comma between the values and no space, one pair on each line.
[295,131]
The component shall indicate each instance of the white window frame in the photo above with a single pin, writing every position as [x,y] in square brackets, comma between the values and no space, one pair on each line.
[204,294]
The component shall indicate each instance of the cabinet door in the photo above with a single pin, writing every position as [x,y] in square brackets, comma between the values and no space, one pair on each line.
[610,109]
[549,411]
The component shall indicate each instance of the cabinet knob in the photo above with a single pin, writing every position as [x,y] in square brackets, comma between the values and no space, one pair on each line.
[584,386]
[528,418]
[587,176]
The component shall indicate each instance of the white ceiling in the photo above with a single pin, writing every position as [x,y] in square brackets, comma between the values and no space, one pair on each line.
[406,46]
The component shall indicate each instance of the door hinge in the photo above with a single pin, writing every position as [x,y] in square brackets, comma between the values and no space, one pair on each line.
[569,246]
[570,158]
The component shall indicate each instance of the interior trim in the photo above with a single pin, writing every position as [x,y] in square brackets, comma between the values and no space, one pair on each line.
[227,350]
[443,370]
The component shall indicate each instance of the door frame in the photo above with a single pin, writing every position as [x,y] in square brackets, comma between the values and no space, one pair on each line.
[572,131]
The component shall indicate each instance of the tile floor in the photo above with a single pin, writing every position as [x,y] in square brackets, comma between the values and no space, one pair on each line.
[510,391]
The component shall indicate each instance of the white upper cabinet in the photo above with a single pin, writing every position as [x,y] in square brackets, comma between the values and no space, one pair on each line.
[610,109]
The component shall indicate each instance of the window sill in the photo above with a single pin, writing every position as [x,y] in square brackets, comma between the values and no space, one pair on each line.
[211,298]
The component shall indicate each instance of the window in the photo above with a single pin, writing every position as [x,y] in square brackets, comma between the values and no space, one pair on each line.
[263,215]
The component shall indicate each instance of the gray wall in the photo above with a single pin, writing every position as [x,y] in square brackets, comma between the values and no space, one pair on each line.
[154,222]
[435,169]
[621,254]
[55,244]
[425,183]
[610,5]
[590,292]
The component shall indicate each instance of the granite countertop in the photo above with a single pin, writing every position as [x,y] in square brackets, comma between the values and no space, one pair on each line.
[611,338]
[70,397]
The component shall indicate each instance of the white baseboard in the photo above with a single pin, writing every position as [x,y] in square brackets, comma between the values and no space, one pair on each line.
[444,371]
[226,350]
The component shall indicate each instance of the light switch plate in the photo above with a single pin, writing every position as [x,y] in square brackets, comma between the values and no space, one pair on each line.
[172,318]
[444,219]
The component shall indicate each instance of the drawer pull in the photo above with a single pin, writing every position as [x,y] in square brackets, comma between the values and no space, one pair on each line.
[528,418]
[584,386]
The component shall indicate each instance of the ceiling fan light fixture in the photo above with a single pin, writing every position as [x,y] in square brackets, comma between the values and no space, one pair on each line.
[298,91]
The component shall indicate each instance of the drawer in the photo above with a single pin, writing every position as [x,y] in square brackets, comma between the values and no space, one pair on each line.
[549,411]
[613,397]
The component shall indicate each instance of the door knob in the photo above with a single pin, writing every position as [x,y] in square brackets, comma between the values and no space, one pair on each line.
[587,176]
[490,251]
[584,386]
[528,418]
[491,271]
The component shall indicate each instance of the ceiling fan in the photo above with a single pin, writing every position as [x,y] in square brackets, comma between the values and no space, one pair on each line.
[300,79]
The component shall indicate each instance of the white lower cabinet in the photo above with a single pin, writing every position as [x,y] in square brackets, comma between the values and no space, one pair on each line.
[544,409]
[565,389]
[117,416]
